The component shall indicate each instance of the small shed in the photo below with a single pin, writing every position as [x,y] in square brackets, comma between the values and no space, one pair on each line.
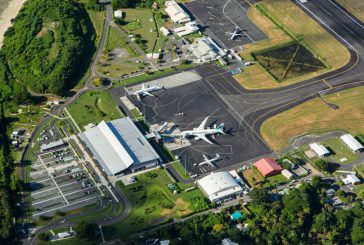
[287,174]
[352,143]
[118,14]
[319,149]
[165,31]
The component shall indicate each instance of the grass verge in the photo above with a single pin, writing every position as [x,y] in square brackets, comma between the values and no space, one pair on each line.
[315,117]
[93,107]
[289,23]
[340,151]
[152,202]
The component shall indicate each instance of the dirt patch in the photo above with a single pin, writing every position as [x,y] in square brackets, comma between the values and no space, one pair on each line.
[119,53]
[180,208]
[252,177]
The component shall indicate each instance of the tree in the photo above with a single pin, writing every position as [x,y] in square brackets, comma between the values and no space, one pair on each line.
[357,234]
[119,4]
[86,231]
[321,164]
[259,196]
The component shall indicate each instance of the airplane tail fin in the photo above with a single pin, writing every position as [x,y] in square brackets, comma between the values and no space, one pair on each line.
[221,128]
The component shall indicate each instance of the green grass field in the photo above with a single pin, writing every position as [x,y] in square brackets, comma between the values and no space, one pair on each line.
[316,117]
[181,170]
[115,60]
[298,24]
[140,22]
[360,169]
[340,151]
[93,107]
[273,181]
[152,202]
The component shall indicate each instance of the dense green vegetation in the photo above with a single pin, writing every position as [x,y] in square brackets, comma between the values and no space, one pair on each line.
[46,44]
[301,217]
[8,182]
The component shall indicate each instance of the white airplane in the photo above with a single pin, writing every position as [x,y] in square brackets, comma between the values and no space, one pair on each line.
[200,132]
[148,90]
[235,34]
[208,161]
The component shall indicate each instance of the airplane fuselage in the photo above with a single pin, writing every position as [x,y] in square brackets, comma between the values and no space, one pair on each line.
[150,89]
[197,131]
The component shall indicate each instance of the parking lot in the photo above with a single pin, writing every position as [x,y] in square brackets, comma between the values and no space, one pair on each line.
[186,106]
[59,183]
[219,18]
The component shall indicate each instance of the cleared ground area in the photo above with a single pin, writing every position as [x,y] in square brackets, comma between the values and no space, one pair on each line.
[296,24]
[219,18]
[316,116]
[187,105]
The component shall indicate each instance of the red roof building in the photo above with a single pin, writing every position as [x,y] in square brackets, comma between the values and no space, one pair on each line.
[268,167]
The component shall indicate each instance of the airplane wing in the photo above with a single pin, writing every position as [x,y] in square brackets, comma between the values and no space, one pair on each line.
[143,86]
[205,157]
[202,125]
[147,93]
[203,137]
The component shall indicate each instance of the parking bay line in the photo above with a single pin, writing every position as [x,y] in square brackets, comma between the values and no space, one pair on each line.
[39,192]
[64,206]
[47,200]
[54,181]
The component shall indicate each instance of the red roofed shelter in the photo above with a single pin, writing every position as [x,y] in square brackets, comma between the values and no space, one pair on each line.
[268,167]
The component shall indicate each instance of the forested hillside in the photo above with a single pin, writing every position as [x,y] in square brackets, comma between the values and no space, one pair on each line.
[46,44]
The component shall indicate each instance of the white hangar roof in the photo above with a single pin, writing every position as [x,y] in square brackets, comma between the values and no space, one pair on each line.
[351,142]
[320,150]
[118,144]
[219,184]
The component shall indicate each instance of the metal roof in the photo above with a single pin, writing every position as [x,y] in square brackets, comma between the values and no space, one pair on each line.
[320,150]
[219,184]
[51,145]
[351,142]
[118,144]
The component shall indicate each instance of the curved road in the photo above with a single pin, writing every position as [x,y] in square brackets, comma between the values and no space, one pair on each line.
[254,107]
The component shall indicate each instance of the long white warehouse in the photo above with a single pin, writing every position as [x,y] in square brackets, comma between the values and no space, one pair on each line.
[219,186]
[119,145]
[352,143]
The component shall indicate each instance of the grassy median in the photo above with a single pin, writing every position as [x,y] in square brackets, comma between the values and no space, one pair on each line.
[287,23]
[315,116]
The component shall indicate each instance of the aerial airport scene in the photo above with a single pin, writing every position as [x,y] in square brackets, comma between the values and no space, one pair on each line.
[181,122]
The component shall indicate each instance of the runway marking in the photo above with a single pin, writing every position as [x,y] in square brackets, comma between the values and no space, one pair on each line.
[233,109]
[248,2]
[349,30]
[325,24]
[326,11]
[346,14]
[328,84]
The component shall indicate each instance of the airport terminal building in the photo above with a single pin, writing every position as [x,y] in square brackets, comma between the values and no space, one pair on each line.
[118,146]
